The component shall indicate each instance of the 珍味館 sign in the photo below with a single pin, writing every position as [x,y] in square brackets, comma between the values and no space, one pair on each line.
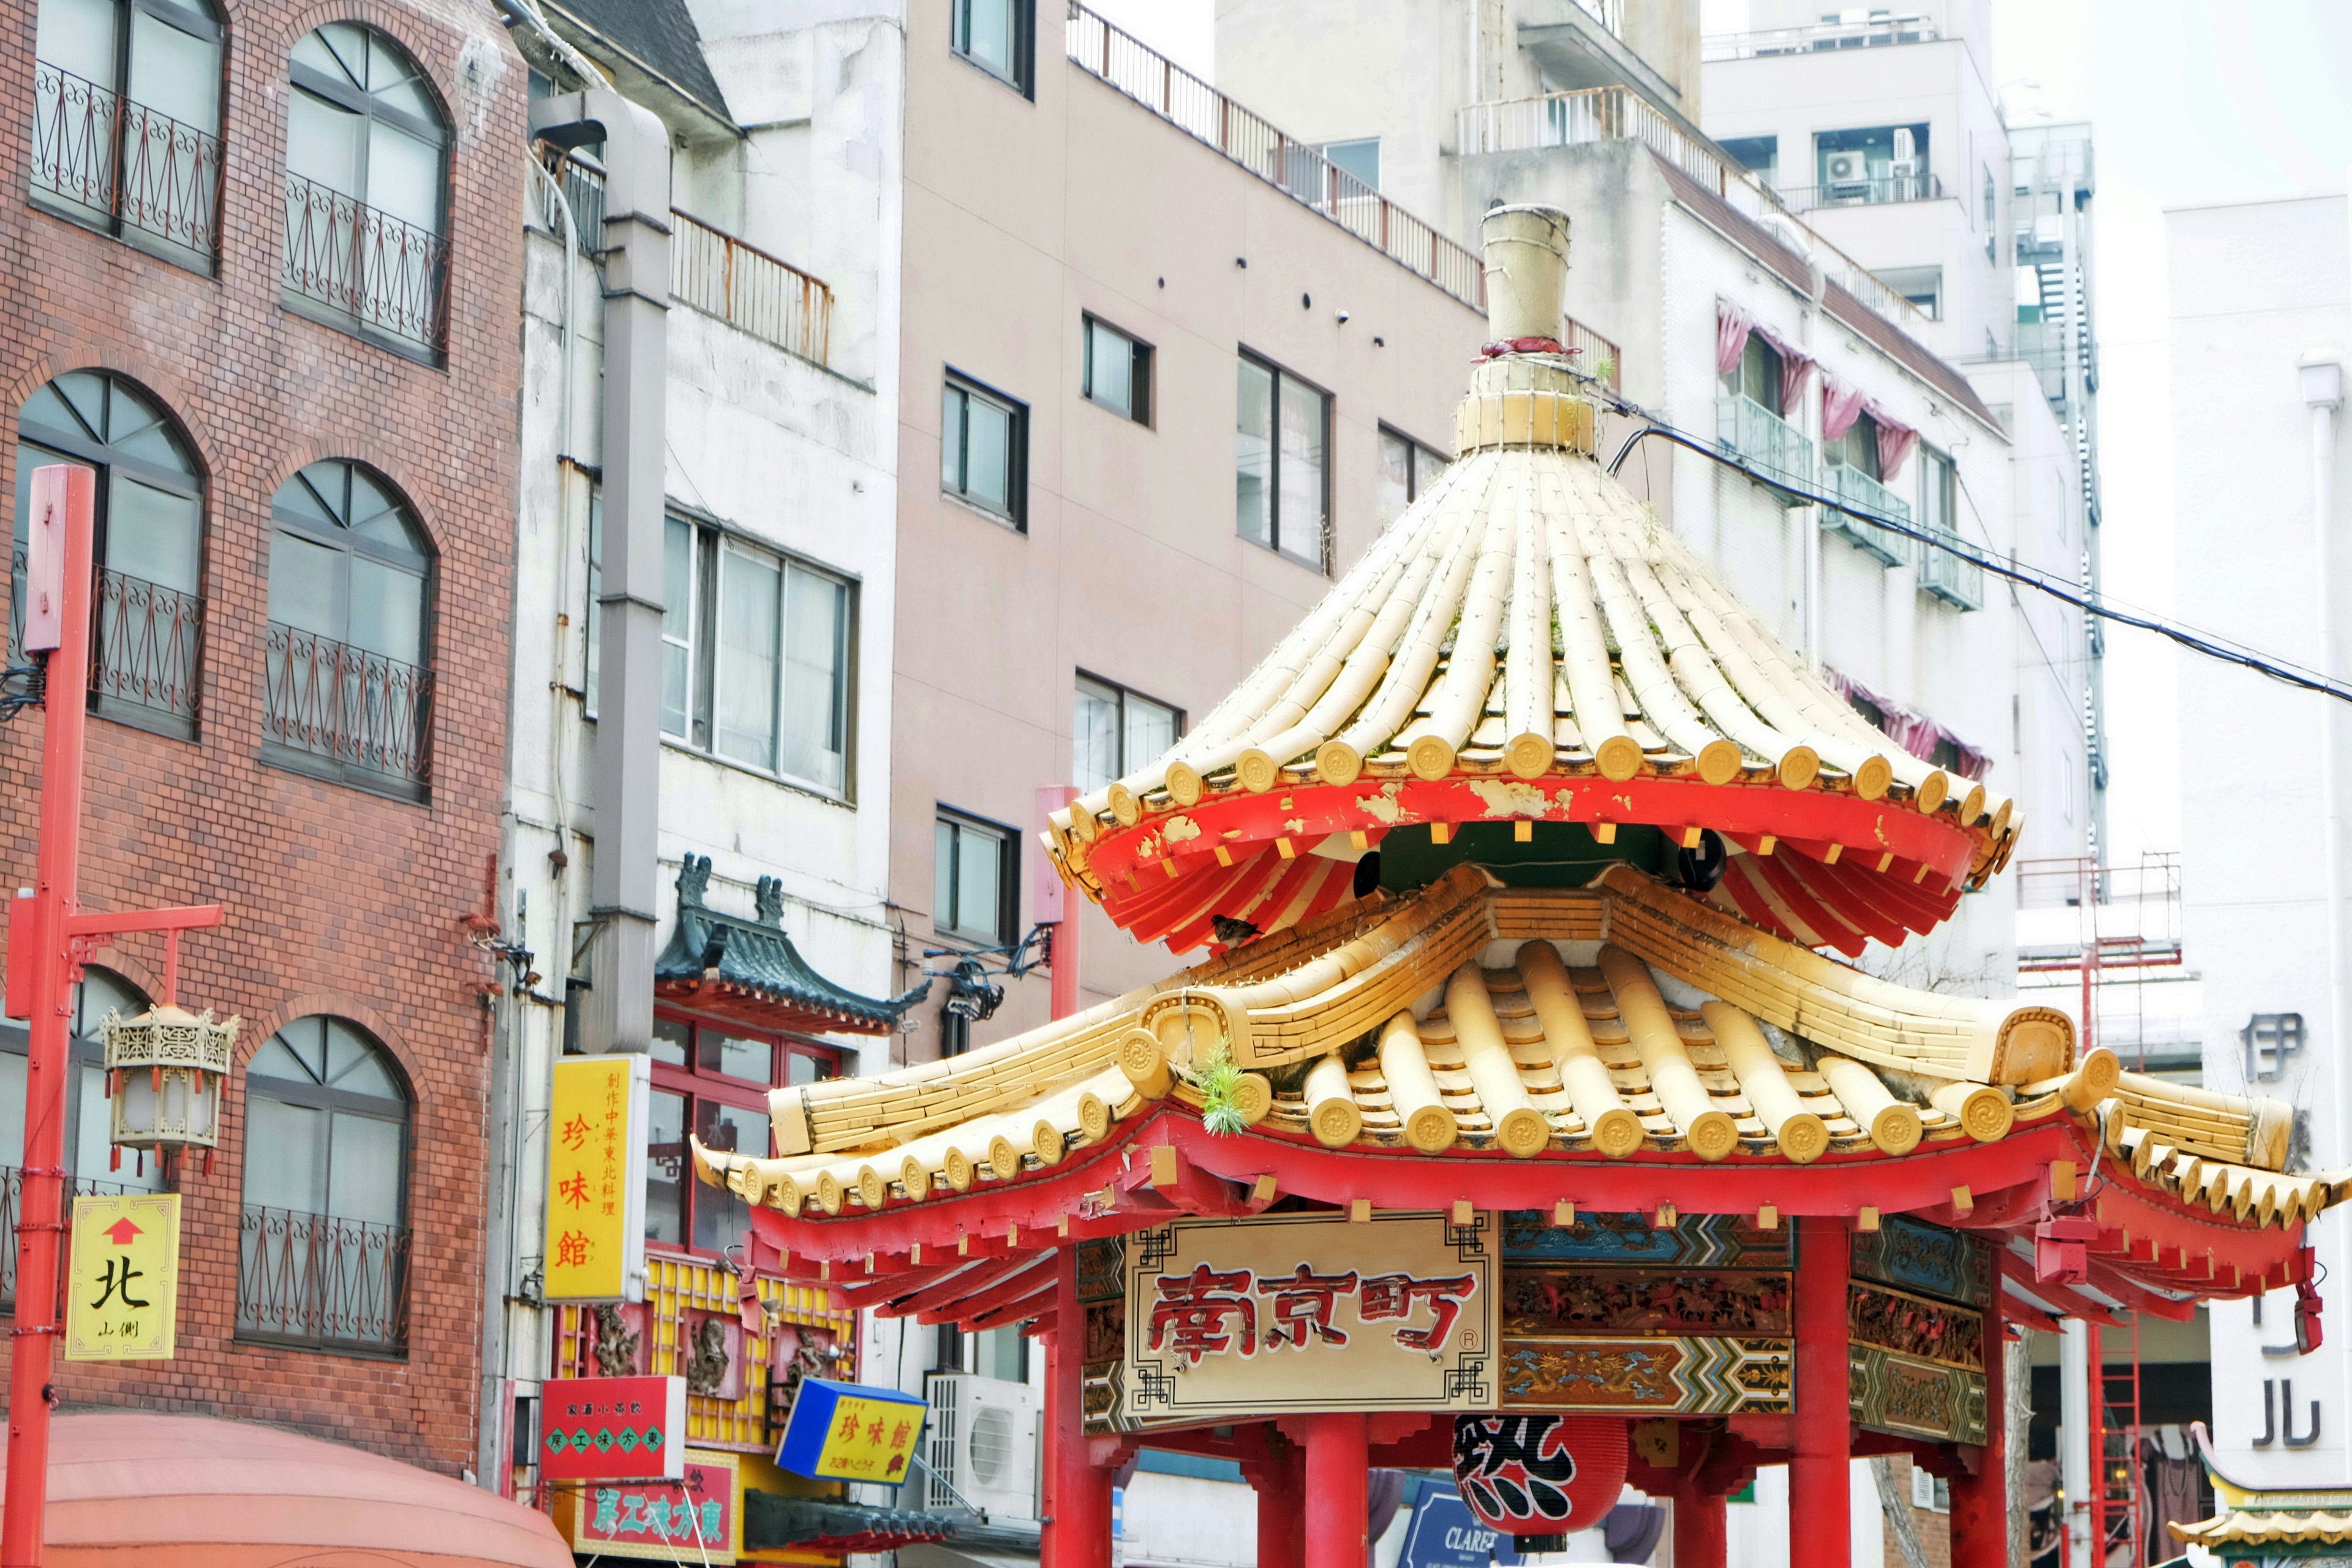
[1300,1313]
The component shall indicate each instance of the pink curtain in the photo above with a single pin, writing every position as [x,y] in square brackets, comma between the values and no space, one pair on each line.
[1795,370]
[1894,444]
[1732,325]
[1914,731]
[1841,406]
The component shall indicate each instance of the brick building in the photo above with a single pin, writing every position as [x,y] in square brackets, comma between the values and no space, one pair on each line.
[263,274]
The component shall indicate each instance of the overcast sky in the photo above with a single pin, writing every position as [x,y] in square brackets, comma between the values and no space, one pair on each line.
[2191,101]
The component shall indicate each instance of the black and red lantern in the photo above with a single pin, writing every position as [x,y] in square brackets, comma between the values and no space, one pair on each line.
[1539,1475]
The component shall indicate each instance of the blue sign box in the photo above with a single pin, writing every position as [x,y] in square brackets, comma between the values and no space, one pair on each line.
[875,1441]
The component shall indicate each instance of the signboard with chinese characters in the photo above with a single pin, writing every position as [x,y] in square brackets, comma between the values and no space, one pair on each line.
[123,1299]
[1305,1312]
[851,1432]
[699,1514]
[597,1179]
[600,1429]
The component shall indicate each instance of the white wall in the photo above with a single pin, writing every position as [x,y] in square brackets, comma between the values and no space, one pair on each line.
[2252,287]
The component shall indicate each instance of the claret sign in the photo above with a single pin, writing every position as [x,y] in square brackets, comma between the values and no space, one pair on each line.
[1306,1312]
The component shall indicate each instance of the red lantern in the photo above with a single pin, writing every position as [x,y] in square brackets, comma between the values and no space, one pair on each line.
[1539,1475]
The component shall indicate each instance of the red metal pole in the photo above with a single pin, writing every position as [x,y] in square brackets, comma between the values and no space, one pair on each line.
[1980,1501]
[41,1229]
[1077,1532]
[1700,1528]
[2097,1501]
[1819,1471]
[1339,1477]
[1281,1514]
[1058,906]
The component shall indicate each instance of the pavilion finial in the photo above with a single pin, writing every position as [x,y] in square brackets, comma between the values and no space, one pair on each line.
[1526,272]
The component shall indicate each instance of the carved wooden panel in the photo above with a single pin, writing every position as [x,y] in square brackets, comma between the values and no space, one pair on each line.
[1740,1303]
[1912,1255]
[1890,1391]
[1706,1241]
[1657,1376]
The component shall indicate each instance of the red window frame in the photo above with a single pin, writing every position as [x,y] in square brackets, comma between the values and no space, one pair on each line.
[696,1083]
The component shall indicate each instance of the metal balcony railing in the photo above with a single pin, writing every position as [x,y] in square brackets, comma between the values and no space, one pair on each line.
[582,184]
[1862,492]
[1880,29]
[11,1205]
[373,270]
[1878,189]
[1620,114]
[148,648]
[745,286]
[107,162]
[359,711]
[321,1282]
[1954,579]
[1297,168]
[1771,447]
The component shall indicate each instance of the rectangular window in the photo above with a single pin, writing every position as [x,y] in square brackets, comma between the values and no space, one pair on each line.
[1760,155]
[1407,468]
[1938,491]
[1361,158]
[1282,481]
[984,449]
[755,656]
[712,1080]
[1923,285]
[1858,447]
[1114,732]
[1873,163]
[1117,372]
[1000,36]
[1757,376]
[972,872]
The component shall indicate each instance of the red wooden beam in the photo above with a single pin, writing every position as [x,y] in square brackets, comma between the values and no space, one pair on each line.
[987,1298]
[955,1287]
[1019,1309]
[2138,1297]
[2068,1300]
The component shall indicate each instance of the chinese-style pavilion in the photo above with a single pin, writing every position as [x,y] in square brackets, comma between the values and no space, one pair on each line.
[1512,1083]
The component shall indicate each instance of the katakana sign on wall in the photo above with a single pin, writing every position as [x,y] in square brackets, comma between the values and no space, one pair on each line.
[597,1179]
[1304,1312]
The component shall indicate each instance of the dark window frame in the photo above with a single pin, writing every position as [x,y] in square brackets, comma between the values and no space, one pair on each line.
[1008,895]
[1024,80]
[1326,524]
[1142,359]
[1016,514]
[695,1082]
[1124,765]
[1420,449]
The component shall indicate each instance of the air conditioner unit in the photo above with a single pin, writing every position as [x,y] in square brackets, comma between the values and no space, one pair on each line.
[1907,146]
[982,1442]
[1903,176]
[1845,177]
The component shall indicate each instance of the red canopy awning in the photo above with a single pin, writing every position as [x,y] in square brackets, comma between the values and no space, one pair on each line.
[131,1486]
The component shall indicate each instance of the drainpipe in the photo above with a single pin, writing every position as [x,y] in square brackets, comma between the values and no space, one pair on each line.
[2322,377]
[625,771]
[2076,1378]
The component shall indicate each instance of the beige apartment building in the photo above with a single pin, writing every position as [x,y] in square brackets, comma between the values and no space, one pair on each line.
[1105,315]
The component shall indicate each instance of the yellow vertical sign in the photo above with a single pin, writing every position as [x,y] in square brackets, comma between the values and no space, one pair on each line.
[596,1178]
[124,1295]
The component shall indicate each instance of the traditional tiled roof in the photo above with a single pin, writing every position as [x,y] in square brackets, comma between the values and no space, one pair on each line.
[1622,1023]
[2265,1516]
[1526,644]
[750,971]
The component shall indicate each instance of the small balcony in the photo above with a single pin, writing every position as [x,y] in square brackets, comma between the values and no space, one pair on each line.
[1864,494]
[365,272]
[745,286]
[1877,190]
[1771,449]
[148,648]
[320,1282]
[346,713]
[1954,579]
[115,165]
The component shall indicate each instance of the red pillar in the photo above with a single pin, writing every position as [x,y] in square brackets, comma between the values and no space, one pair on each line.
[1280,1484]
[70,493]
[1078,1491]
[1980,1501]
[1059,908]
[1339,1476]
[1819,1518]
[1699,1528]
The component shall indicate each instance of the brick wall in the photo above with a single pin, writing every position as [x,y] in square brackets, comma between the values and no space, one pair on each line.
[337,899]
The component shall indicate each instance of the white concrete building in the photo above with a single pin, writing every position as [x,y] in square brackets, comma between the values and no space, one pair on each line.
[2262,312]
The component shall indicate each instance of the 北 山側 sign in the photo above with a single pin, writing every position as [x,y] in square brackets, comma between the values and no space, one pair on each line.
[123,1301]
[597,1179]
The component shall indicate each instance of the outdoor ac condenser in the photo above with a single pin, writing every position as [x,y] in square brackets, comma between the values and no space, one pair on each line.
[984,1442]
[1848,175]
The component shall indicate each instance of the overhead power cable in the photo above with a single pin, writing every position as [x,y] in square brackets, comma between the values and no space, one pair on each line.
[2207,642]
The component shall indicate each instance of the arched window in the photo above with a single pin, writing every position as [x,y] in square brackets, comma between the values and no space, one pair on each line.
[324,1258]
[149,613]
[126,121]
[350,580]
[367,175]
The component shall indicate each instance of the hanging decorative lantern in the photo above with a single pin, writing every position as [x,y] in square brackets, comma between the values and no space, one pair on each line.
[1539,1475]
[164,1069]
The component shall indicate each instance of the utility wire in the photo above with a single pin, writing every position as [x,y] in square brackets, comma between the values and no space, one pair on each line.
[2206,642]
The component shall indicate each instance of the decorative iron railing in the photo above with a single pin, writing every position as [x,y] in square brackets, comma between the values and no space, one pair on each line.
[1620,114]
[1774,451]
[149,641]
[1864,494]
[1297,167]
[384,274]
[320,1280]
[105,158]
[12,1206]
[745,286]
[1878,189]
[582,185]
[345,705]
[1958,580]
